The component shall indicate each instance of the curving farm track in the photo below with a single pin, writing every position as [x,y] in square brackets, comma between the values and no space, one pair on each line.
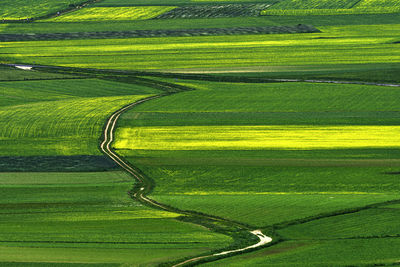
[144,186]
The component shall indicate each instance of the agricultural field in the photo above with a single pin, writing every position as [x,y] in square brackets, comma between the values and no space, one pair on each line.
[60,121]
[314,7]
[214,11]
[226,158]
[315,4]
[44,112]
[35,228]
[113,13]
[110,3]
[214,133]
[338,47]
[22,9]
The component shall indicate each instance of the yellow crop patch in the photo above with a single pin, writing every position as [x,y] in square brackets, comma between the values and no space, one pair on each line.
[257,137]
[114,13]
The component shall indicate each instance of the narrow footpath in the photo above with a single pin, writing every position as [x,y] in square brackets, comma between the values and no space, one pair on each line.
[144,186]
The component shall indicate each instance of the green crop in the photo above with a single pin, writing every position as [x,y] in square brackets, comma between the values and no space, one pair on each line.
[113,13]
[22,9]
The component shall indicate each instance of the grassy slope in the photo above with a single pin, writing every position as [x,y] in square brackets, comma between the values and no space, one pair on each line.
[50,117]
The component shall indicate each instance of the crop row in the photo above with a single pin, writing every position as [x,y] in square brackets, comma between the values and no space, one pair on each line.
[314,4]
[21,9]
[328,7]
[214,11]
[113,13]
[349,11]
[160,33]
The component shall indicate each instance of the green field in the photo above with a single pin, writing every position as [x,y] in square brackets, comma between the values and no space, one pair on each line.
[293,134]
[326,7]
[196,164]
[54,116]
[357,252]
[381,222]
[113,13]
[340,46]
[21,9]
[111,3]
[35,228]
[50,117]
[314,4]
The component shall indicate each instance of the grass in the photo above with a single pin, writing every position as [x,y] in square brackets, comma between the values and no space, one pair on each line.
[12,74]
[100,256]
[52,133]
[356,45]
[23,92]
[99,26]
[113,13]
[321,104]
[269,208]
[100,216]
[78,217]
[110,3]
[82,218]
[211,176]
[380,222]
[377,4]
[323,12]
[44,114]
[326,7]
[357,252]
[21,9]
[314,4]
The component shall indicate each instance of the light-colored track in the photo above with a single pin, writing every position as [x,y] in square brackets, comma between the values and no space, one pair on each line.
[140,194]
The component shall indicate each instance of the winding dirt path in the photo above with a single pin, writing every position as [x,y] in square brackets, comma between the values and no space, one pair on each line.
[144,186]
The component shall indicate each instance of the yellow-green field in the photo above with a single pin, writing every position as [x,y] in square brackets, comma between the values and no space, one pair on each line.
[257,137]
[114,13]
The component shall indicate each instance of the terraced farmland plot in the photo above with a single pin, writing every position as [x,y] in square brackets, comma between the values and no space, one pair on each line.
[22,9]
[113,13]
[214,11]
